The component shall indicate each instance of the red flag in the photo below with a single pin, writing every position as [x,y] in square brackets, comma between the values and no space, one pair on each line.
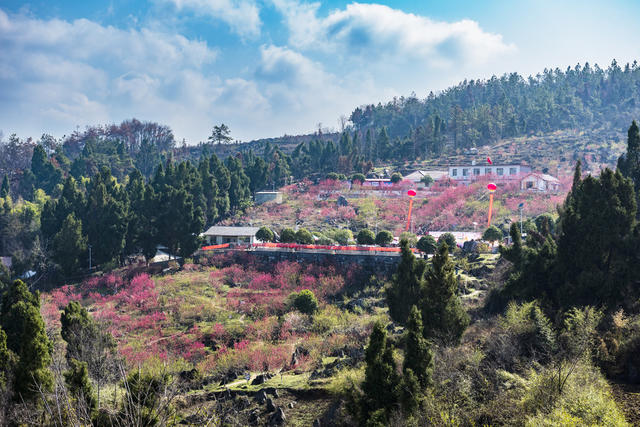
[489,160]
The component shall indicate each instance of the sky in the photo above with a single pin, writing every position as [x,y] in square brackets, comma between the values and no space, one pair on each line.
[267,68]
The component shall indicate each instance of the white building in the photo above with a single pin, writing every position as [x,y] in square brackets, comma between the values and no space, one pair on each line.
[499,172]
[417,176]
[218,235]
[535,181]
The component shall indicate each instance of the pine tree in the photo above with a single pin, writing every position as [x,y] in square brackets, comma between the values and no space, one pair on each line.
[27,338]
[418,357]
[442,312]
[381,380]
[406,284]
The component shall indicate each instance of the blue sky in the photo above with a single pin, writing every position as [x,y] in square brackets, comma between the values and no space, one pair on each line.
[273,67]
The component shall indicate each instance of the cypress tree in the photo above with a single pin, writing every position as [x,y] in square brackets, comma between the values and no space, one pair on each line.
[7,362]
[381,379]
[27,338]
[442,312]
[70,245]
[77,380]
[406,284]
[418,357]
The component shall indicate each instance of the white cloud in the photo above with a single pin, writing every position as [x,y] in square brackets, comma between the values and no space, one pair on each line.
[56,75]
[375,31]
[243,16]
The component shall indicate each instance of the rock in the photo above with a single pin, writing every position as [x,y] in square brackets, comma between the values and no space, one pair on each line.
[261,396]
[243,402]
[270,406]
[291,404]
[278,417]
[254,417]
[258,380]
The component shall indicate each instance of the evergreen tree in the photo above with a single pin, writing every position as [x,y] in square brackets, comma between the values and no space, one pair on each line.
[79,386]
[47,176]
[417,357]
[7,363]
[381,380]
[239,192]
[27,338]
[629,163]
[69,245]
[406,284]
[442,312]
[223,180]
[4,189]
[106,217]
[88,344]
[139,220]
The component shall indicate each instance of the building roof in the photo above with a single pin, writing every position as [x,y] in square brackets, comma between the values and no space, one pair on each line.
[542,176]
[219,230]
[487,165]
[418,175]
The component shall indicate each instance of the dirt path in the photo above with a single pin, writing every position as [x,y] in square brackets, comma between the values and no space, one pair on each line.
[627,396]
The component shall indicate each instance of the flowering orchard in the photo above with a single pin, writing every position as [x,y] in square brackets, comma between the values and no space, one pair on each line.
[445,206]
[219,318]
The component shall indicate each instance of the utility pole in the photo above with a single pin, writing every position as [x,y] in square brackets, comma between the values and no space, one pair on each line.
[520,206]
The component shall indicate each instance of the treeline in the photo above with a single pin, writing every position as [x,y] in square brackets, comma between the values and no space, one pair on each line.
[63,220]
[478,112]
[590,255]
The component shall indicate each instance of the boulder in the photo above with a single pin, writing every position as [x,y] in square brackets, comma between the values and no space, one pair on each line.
[270,406]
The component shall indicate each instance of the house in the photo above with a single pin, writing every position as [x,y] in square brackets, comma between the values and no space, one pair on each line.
[417,176]
[535,181]
[498,172]
[218,235]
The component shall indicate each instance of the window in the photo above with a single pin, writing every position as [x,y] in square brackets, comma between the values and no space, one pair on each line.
[529,184]
[487,171]
[454,172]
[476,171]
[512,171]
[465,172]
[500,171]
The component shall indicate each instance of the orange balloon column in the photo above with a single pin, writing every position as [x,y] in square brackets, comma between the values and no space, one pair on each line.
[411,194]
[492,188]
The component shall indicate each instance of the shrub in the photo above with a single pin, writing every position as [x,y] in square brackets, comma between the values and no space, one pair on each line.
[366,237]
[305,301]
[287,235]
[427,180]
[303,236]
[492,234]
[265,234]
[410,238]
[427,244]
[343,236]
[358,177]
[384,237]
[333,176]
[396,177]
[449,239]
